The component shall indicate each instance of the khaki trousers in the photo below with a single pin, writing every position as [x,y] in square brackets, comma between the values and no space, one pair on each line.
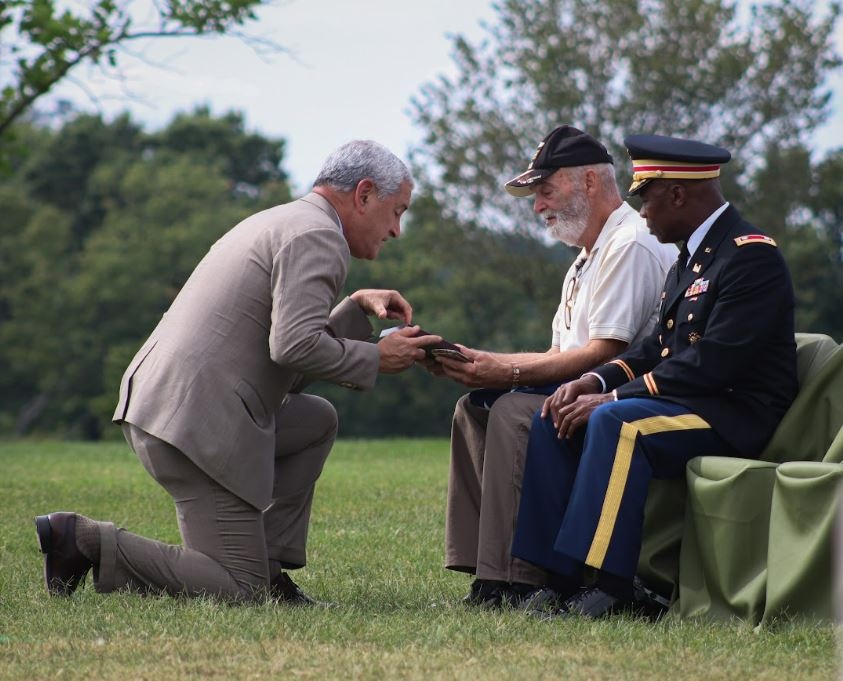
[488,447]
[229,548]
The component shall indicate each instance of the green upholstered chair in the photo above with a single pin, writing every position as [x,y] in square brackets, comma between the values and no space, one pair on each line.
[752,538]
[806,496]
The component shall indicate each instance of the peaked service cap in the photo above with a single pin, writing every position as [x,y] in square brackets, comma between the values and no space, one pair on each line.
[657,157]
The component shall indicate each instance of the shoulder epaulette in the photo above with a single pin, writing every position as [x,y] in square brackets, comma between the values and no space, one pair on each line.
[755,239]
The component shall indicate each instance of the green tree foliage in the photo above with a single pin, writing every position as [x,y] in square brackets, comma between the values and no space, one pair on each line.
[82,283]
[801,205]
[47,41]
[84,277]
[750,80]
[102,224]
[685,67]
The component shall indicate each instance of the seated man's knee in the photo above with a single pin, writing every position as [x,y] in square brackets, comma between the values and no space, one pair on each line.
[502,407]
[607,411]
[461,407]
[514,408]
[542,428]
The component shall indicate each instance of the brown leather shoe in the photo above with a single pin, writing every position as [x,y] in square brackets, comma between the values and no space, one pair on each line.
[284,590]
[64,565]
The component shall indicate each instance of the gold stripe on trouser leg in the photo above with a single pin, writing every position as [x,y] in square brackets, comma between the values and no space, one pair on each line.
[664,424]
[620,473]
[614,494]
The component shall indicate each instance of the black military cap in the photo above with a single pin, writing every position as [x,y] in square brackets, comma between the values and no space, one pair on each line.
[658,157]
[565,147]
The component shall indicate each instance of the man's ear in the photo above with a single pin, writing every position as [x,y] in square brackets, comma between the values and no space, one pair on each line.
[363,193]
[678,195]
[591,181]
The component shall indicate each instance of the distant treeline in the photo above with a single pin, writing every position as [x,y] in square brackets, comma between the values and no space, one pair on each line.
[101,223]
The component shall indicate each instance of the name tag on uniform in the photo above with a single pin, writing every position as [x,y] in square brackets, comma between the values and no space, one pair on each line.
[699,286]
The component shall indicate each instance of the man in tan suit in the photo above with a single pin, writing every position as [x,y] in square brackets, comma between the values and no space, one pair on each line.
[610,297]
[211,403]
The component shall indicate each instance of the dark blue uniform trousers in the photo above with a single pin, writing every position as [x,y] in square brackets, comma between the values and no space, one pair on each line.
[586,507]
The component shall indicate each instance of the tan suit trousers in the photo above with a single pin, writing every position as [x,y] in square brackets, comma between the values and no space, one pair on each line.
[229,548]
[488,447]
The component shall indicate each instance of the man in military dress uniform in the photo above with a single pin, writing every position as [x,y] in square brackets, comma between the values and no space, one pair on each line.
[715,377]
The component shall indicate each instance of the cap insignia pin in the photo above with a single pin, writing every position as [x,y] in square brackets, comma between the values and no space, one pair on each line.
[535,156]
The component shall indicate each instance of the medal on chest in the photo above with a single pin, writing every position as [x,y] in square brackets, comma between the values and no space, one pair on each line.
[697,287]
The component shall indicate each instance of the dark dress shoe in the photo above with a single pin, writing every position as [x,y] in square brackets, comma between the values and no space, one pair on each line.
[649,603]
[492,594]
[545,602]
[64,564]
[473,597]
[594,603]
[486,593]
[283,589]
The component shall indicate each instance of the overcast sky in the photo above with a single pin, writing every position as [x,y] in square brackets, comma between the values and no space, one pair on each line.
[354,66]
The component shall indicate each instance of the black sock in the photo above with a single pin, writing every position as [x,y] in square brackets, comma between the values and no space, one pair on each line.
[564,585]
[617,586]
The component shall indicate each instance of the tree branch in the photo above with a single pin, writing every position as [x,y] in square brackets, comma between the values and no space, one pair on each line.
[89,40]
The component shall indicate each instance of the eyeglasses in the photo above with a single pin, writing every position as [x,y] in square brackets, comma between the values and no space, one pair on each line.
[571,290]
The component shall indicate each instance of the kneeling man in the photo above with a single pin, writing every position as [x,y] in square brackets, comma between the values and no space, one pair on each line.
[211,403]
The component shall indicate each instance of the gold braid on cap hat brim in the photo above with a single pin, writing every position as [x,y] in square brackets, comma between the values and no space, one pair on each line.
[649,169]
[644,169]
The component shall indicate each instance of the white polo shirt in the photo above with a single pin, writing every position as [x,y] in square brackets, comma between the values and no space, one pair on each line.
[618,289]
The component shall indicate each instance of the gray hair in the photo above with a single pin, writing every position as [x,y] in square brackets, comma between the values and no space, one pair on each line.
[605,171]
[360,160]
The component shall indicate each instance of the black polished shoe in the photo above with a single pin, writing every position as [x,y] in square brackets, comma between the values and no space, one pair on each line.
[594,603]
[485,593]
[283,589]
[492,594]
[473,597]
[545,602]
[64,564]
[514,595]
[649,603]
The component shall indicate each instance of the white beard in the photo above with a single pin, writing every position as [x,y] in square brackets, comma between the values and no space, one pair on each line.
[571,222]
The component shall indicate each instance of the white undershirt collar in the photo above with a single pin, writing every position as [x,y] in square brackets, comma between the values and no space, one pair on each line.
[699,233]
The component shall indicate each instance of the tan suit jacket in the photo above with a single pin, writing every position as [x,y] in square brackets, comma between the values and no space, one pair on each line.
[253,321]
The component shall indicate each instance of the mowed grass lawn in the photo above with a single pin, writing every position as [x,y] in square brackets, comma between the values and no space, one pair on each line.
[375,551]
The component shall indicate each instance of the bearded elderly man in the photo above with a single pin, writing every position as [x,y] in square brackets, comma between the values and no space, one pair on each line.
[610,298]
[211,403]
